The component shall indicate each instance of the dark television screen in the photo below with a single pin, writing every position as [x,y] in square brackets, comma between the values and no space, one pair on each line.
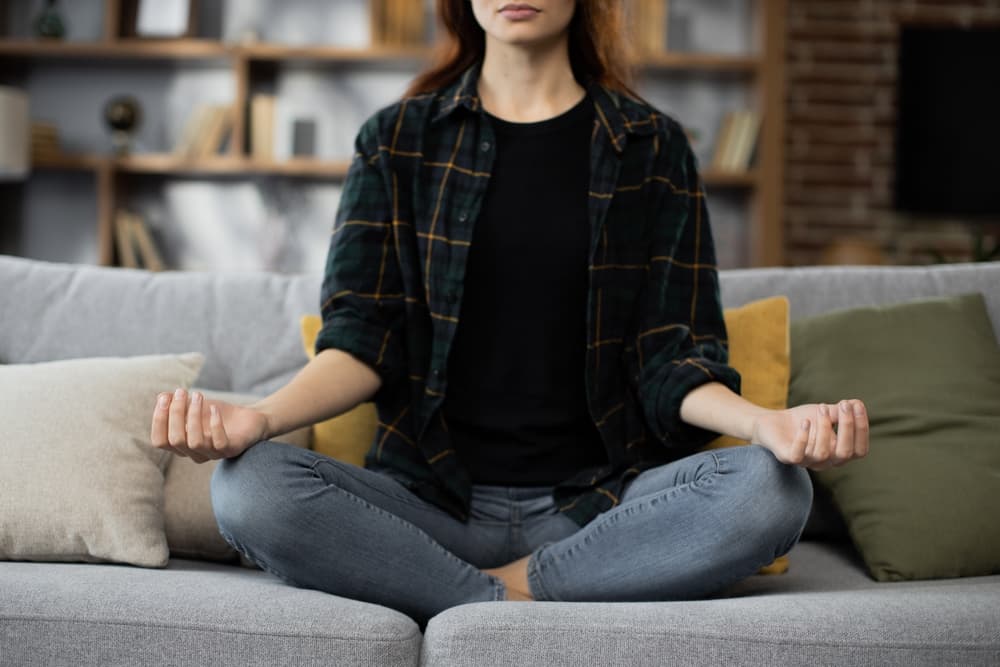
[948,130]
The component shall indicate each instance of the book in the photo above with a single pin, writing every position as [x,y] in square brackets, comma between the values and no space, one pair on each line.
[747,140]
[192,129]
[375,22]
[723,141]
[123,241]
[262,127]
[649,26]
[215,132]
[739,127]
[134,243]
[736,141]
[149,255]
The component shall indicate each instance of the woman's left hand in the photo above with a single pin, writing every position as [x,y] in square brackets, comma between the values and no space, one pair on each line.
[804,435]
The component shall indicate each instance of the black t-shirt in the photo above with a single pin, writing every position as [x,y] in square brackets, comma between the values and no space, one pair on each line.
[515,401]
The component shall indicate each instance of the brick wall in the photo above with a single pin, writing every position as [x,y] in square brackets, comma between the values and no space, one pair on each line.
[840,131]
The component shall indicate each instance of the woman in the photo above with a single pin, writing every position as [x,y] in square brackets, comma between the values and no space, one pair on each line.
[521,276]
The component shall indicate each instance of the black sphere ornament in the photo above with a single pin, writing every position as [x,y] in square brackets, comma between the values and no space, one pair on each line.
[123,114]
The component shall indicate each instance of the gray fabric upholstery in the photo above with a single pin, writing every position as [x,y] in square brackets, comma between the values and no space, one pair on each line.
[825,611]
[192,613]
[813,290]
[246,324]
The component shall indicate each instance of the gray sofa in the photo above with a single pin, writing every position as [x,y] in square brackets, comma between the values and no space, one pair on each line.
[825,610]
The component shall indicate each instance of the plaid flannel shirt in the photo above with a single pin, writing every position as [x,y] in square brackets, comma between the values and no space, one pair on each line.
[392,289]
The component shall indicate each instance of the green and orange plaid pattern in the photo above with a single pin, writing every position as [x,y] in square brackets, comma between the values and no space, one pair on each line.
[392,290]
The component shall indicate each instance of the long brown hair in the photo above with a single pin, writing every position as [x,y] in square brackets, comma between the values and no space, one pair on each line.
[598,46]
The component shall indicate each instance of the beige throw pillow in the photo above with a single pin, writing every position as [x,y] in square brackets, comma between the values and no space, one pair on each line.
[79,480]
[192,531]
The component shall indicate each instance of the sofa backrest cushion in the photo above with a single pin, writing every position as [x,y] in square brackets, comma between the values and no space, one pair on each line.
[245,323]
[816,290]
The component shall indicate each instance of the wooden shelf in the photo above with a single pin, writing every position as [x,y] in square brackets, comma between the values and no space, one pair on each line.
[700,62]
[222,165]
[201,49]
[125,49]
[280,52]
[303,167]
[69,162]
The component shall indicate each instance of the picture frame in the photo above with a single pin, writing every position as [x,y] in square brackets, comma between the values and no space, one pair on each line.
[159,19]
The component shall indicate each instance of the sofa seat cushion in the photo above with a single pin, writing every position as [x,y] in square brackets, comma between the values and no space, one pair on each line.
[825,610]
[192,612]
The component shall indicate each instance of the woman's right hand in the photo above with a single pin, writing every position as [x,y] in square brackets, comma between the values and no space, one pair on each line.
[202,429]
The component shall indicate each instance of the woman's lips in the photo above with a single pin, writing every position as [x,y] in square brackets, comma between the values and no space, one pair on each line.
[518,13]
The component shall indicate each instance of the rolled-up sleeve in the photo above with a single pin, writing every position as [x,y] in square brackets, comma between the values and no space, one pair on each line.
[361,299]
[682,339]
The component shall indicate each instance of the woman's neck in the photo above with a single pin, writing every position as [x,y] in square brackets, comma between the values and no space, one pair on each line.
[524,85]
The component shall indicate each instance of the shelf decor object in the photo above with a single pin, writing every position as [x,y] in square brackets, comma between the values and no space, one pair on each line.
[50,23]
[14,134]
[168,19]
[123,114]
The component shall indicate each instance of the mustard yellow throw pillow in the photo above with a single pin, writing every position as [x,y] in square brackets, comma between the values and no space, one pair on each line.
[346,437]
[759,348]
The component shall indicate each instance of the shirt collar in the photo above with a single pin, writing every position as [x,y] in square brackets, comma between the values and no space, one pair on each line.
[612,115]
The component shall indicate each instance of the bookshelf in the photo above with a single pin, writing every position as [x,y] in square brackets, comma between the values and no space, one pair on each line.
[252,67]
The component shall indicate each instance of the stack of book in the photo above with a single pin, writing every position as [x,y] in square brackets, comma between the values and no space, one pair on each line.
[397,22]
[44,141]
[136,248]
[649,26]
[262,127]
[206,131]
[736,141]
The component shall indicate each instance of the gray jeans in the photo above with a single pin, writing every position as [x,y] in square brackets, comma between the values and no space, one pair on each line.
[681,531]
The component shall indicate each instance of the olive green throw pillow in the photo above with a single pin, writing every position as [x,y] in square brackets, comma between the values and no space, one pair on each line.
[924,503]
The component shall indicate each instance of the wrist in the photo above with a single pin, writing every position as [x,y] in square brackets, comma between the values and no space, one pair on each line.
[752,422]
[268,426]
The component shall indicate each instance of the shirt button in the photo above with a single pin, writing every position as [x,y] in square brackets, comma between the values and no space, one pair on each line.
[436,372]
[485,146]
[463,217]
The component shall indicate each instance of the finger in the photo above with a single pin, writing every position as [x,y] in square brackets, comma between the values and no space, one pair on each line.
[797,455]
[193,430]
[861,428]
[844,449]
[158,430]
[195,434]
[220,440]
[824,435]
[175,423]
[813,433]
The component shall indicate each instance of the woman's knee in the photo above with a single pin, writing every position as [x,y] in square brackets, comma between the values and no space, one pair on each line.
[239,485]
[782,494]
